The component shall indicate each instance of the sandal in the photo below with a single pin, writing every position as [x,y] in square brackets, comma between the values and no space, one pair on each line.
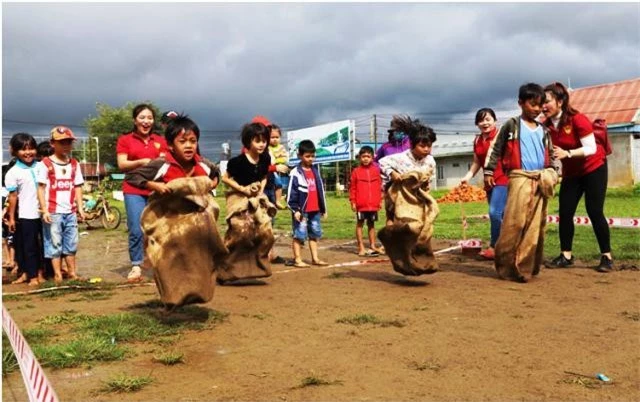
[369,253]
[320,263]
[300,264]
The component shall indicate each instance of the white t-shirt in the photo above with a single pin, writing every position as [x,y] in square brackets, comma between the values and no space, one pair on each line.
[60,193]
[23,179]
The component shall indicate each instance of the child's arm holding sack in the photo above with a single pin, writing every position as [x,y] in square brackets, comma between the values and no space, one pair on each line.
[144,177]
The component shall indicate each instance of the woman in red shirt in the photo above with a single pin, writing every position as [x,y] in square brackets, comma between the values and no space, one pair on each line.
[584,171]
[497,195]
[133,150]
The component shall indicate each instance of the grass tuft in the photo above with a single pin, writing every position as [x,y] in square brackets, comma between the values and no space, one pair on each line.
[633,316]
[335,275]
[361,319]
[78,351]
[170,358]
[425,365]
[313,381]
[125,384]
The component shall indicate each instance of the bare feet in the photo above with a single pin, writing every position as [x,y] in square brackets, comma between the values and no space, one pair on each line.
[21,279]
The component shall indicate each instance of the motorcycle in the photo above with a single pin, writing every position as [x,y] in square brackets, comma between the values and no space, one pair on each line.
[99,209]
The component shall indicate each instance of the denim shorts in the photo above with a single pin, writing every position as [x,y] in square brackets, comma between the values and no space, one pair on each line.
[308,227]
[61,235]
[281,180]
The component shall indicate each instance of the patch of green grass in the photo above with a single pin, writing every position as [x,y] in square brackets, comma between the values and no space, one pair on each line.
[9,361]
[170,358]
[78,351]
[361,319]
[313,381]
[38,334]
[7,298]
[125,384]
[92,296]
[66,317]
[126,327]
[340,224]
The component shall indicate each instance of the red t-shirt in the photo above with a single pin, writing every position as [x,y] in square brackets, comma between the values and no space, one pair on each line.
[481,149]
[568,137]
[136,148]
[312,195]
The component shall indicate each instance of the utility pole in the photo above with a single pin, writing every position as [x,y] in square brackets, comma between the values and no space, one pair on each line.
[373,131]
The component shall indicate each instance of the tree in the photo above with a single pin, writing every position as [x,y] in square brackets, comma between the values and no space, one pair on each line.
[109,124]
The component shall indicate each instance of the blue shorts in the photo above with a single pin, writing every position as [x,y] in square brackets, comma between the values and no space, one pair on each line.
[61,235]
[308,227]
[281,180]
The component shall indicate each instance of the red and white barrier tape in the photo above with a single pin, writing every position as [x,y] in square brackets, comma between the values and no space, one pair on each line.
[38,386]
[583,220]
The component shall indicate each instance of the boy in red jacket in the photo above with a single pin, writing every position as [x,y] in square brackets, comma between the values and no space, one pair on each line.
[365,194]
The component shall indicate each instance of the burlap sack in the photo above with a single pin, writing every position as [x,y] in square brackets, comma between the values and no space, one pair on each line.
[249,237]
[407,240]
[520,245]
[182,243]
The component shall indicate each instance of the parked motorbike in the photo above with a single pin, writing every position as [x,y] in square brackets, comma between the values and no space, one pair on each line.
[98,209]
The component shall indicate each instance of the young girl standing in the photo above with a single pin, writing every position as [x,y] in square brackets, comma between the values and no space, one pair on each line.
[21,182]
[496,194]
[134,150]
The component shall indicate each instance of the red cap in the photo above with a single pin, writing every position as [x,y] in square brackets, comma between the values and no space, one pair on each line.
[262,120]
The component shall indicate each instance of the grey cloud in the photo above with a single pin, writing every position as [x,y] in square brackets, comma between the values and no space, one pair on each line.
[303,63]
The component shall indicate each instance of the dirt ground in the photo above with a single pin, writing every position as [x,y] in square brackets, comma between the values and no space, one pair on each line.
[463,334]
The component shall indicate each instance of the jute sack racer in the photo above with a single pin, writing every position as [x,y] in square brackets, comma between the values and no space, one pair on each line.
[407,240]
[521,242]
[249,237]
[182,243]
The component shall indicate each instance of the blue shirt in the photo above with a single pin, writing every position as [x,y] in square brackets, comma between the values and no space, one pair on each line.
[531,147]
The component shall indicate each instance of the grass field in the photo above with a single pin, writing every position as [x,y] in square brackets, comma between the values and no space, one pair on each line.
[620,202]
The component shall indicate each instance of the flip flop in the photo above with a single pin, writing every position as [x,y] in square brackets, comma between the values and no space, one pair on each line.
[320,263]
[301,264]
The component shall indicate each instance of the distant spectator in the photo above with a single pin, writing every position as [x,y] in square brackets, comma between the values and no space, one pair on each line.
[365,195]
[398,140]
[496,195]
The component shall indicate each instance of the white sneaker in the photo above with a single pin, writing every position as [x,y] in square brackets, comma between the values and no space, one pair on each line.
[135,273]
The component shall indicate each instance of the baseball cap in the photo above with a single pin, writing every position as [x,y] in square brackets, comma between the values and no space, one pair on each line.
[59,133]
[166,116]
[262,120]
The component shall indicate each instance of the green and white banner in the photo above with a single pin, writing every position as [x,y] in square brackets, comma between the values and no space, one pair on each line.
[333,141]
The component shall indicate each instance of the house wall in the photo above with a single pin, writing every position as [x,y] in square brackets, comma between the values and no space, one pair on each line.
[453,168]
[620,163]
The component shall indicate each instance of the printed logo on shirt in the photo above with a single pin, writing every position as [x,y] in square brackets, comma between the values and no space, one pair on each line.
[567,130]
[510,136]
[311,182]
[62,184]
[157,145]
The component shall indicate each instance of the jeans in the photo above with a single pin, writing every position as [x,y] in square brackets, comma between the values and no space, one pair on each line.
[134,204]
[61,235]
[497,200]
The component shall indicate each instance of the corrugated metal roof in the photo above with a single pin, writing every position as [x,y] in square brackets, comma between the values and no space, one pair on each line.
[617,102]
[447,145]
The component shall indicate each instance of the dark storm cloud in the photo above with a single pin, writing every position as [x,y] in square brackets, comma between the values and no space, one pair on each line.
[303,63]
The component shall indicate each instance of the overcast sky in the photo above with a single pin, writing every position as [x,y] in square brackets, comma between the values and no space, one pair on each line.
[302,64]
